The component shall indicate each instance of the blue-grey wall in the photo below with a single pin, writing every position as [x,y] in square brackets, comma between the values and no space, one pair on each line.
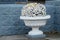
[57,15]
[56,4]
[9,19]
[11,1]
[11,24]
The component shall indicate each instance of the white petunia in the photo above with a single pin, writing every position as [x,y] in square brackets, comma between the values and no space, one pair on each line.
[34,9]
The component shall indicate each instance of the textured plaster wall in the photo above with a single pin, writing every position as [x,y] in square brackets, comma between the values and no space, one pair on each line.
[9,19]
[11,24]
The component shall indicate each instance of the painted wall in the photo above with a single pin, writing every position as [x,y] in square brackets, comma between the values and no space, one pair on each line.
[11,24]
[9,19]
[56,4]
[57,15]
[11,1]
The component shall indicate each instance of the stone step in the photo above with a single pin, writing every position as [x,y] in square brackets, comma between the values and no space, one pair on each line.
[22,37]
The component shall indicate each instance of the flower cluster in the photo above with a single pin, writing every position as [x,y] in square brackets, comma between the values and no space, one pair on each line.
[34,9]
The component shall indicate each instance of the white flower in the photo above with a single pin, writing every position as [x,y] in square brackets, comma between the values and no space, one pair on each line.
[34,9]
